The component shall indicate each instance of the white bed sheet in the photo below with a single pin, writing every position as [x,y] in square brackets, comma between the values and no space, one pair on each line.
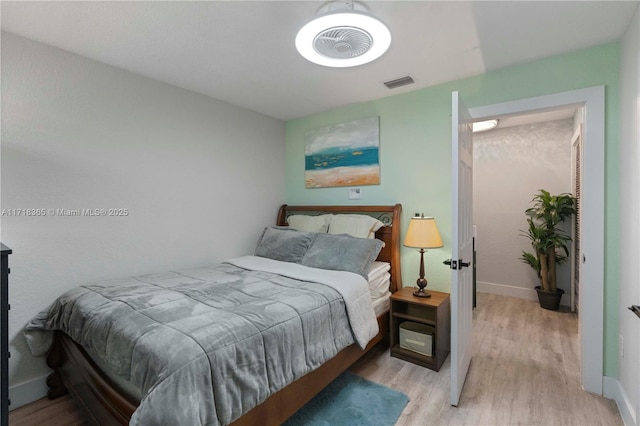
[381,304]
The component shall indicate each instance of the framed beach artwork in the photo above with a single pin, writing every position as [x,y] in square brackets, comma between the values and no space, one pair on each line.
[344,154]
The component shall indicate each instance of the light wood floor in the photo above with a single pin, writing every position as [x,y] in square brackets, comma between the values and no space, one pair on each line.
[524,371]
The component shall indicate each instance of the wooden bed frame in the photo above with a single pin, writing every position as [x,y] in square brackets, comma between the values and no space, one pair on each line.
[105,404]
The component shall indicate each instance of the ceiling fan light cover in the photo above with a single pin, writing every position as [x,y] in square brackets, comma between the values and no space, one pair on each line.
[343,39]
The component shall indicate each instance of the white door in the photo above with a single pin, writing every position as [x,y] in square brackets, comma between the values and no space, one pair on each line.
[462,247]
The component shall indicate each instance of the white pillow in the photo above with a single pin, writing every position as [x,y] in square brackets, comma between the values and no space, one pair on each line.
[306,223]
[356,225]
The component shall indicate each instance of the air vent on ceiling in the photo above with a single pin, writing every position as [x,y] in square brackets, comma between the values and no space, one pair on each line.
[398,82]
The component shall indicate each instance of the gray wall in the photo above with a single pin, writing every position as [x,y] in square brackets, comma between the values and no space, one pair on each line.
[510,165]
[200,179]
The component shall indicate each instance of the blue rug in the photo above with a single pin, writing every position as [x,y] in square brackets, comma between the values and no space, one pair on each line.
[351,400]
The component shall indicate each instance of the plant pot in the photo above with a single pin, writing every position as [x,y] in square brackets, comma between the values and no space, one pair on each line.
[549,299]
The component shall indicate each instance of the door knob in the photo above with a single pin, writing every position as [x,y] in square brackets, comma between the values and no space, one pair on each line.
[453,264]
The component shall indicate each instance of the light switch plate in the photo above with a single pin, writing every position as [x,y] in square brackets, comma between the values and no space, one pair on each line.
[355,194]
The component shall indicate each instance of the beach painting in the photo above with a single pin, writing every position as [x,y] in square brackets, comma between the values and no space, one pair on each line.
[344,154]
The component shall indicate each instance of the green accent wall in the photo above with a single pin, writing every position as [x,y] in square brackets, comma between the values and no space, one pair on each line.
[415,155]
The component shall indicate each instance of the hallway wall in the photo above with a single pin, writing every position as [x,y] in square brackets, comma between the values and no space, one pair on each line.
[510,166]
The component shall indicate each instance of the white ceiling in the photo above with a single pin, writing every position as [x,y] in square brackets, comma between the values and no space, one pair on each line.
[243,52]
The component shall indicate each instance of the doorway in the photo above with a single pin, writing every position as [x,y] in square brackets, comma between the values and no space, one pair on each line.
[591,268]
[512,162]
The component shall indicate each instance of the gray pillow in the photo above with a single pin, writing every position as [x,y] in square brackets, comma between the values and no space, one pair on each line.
[342,253]
[286,245]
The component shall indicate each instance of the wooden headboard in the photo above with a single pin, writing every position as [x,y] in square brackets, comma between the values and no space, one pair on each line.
[389,234]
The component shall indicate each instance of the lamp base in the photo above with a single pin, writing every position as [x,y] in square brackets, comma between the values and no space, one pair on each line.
[421,293]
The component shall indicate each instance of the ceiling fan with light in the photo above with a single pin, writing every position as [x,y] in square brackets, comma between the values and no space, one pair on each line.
[343,34]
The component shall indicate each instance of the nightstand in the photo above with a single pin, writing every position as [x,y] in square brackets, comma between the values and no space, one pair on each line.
[433,311]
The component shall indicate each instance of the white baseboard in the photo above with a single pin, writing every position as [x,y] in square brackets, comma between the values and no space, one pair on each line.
[612,388]
[27,392]
[511,291]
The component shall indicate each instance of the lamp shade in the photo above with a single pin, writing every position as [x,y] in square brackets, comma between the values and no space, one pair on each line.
[423,233]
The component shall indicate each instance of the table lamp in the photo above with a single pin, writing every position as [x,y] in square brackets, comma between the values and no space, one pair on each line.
[423,234]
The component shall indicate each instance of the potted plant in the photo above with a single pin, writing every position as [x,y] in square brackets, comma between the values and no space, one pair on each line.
[548,241]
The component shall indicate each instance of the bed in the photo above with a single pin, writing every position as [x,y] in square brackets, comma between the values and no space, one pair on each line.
[105,401]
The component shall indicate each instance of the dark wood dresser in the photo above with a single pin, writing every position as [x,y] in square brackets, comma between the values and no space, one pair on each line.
[4,335]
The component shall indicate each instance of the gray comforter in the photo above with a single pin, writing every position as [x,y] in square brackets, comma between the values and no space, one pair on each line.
[206,345]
